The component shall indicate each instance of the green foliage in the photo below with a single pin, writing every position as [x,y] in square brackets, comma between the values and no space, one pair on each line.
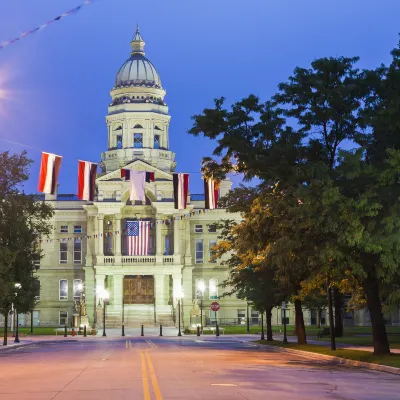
[23,220]
[319,211]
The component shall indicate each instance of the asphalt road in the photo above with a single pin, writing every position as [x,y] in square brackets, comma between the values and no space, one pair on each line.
[179,368]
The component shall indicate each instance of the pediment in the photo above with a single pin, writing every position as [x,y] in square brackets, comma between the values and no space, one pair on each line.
[136,165]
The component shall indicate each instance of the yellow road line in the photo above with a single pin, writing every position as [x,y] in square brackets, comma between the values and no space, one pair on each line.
[154,381]
[145,380]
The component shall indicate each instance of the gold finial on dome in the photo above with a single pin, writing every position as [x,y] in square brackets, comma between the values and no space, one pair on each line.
[137,42]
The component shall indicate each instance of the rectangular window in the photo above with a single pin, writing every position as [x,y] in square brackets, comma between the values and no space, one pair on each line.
[63,289]
[63,252]
[36,318]
[156,141]
[77,228]
[198,228]
[213,289]
[211,244]
[77,289]
[77,252]
[119,141]
[255,315]
[64,229]
[63,318]
[241,317]
[36,289]
[137,140]
[199,251]
[212,228]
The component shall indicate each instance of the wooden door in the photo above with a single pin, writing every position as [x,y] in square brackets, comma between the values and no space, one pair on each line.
[139,289]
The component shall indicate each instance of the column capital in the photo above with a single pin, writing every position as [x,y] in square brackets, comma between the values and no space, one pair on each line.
[117,216]
[100,216]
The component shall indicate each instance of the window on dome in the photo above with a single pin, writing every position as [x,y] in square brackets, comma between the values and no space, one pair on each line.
[119,141]
[156,141]
[138,126]
[137,140]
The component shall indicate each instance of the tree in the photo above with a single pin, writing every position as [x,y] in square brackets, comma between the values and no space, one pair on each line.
[23,220]
[252,282]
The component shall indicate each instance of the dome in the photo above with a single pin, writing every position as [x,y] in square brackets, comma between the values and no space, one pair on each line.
[137,70]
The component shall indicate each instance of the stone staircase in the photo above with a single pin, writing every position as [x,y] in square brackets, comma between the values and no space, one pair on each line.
[137,315]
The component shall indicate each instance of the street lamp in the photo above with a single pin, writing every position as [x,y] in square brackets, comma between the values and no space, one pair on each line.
[248,318]
[16,340]
[284,322]
[179,296]
[202,287]
[104,296]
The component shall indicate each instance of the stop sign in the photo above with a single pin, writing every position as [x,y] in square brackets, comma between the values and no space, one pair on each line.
[214,306]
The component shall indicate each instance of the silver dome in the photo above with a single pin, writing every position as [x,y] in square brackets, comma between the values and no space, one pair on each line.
[137,68]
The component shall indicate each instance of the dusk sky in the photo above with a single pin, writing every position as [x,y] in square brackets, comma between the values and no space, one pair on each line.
[56,82]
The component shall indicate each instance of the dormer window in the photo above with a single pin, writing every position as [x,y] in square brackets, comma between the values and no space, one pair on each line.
[156,141]
[137,140]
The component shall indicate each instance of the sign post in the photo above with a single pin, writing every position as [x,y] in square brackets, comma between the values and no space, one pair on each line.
[215,307]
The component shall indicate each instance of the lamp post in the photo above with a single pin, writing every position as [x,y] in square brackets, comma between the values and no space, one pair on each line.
[284,322]
[179,296]
[201,288]
[248,318]
[16,340]
[80,288]
[105,299]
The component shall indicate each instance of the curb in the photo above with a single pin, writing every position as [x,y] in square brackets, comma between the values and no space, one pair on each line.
[338,360]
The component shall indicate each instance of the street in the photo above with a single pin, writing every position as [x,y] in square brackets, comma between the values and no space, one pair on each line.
[178,368]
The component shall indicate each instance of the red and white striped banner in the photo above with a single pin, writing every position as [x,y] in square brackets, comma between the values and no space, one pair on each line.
[86,180]
[49,169]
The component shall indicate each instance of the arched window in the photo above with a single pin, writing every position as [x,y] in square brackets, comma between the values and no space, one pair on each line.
[117,130]
[137,140]
[157,128]
[200,288]
[213,289]
[138,126]
[156,141]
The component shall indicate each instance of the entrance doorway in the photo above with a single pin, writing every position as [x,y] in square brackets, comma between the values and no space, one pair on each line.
[139,289]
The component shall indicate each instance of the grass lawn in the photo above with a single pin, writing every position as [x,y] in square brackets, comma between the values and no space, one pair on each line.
[392,360]
[362,336]
[36,331]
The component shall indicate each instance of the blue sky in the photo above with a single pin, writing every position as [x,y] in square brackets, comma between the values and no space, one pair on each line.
[57,81]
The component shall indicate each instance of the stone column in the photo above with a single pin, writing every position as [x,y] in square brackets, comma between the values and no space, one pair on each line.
[188,238]
[118,235]
[159,255]
[100,280]
[177,237]
[89,243]
[177,285]
[118,291]
[159,289]
[158,237]
[100,220]
[90,295]
[187,284]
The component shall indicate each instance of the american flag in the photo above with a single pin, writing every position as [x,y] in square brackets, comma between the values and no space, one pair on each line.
[138,238]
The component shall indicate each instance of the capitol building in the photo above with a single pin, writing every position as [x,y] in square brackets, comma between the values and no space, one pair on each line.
[87,252]
[90,263]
